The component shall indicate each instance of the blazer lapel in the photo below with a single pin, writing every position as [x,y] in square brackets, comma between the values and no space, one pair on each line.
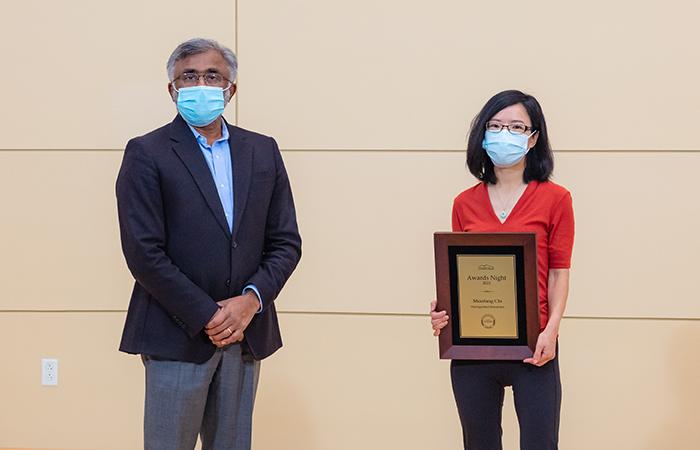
[186,147]
[242,161]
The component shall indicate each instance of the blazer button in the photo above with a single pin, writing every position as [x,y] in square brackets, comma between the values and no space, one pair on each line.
[234,244]
[228,282]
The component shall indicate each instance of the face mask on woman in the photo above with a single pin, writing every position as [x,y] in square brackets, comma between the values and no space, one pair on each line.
[505,148]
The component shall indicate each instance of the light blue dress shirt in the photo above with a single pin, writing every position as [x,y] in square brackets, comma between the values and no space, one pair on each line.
[218,158]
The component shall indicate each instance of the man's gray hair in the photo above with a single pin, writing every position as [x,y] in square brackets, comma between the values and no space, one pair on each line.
[199,45]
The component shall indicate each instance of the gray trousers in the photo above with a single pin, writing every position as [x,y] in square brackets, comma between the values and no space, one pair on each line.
[213,399]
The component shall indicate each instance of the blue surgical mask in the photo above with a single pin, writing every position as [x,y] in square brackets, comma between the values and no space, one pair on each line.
[505,148]
[200,105]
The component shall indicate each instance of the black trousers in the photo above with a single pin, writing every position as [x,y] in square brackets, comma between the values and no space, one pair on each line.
[479,387]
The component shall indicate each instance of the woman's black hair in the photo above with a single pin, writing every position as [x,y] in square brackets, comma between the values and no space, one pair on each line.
[539,161]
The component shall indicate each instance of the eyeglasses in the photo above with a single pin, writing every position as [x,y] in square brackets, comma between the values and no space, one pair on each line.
[513,128]
[189,79]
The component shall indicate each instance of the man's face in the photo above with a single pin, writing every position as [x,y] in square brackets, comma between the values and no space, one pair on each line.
[210,61]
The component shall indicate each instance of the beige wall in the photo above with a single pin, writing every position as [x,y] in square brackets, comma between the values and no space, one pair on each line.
[370,102]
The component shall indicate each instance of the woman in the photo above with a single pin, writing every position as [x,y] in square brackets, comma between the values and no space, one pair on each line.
[509,152]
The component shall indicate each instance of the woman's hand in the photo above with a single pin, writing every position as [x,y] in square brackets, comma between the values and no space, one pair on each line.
[545,350]
[558,290]
[438,319]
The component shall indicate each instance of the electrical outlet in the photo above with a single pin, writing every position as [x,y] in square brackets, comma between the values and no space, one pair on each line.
[49,372]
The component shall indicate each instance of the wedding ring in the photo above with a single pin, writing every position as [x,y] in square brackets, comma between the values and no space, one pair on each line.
[229,331]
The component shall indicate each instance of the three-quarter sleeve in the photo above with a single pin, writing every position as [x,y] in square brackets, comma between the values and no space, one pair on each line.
[456,224]
[561,234]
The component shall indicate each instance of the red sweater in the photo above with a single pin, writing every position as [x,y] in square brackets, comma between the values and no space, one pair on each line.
[544,208]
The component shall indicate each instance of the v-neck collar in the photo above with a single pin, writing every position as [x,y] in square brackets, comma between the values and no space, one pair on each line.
[516,207]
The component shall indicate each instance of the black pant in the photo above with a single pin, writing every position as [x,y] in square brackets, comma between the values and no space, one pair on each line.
[479,387]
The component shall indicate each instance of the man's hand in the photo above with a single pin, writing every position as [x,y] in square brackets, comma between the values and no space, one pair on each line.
[230,321]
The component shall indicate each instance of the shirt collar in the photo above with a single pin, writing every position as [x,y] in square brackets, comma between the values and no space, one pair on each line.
[203,141]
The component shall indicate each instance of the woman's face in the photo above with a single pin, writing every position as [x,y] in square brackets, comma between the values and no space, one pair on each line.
[514,115]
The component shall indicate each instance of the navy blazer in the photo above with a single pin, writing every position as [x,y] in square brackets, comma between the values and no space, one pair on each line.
[180,251]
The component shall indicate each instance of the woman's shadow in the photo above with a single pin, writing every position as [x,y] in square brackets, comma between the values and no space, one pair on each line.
[678,426]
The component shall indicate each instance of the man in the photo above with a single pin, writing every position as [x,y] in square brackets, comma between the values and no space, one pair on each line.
[209,232]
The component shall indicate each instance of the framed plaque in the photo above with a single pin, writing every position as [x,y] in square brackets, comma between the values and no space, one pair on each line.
[487,283]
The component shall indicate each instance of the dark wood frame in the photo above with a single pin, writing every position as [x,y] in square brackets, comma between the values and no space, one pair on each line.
[450,348]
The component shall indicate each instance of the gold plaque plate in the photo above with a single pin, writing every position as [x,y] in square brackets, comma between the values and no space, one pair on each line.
[488,304]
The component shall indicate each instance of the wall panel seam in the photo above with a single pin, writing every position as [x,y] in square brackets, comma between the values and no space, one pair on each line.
[371,150]
[344,313]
